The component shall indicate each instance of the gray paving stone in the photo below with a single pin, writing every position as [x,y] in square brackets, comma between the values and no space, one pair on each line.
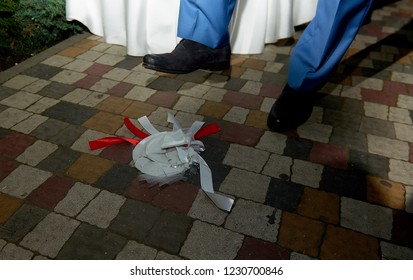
[245,184]
[42,71]
[307,173]
[188,104]
[399,115]
[11,116]
[401,171]
[23,180]
[20,81]
[50,235]
[166,257]
[25,218]
[135,219]
[82,143]
[254,219]
[48,129]
[21,100]
[102,209]
[387,147]
[246,158]
[76,199]
[6,92]
[169,232]
[29,124]
[377,127]
[209,242]
[70,113]
[68,77]
[92,243]
[298,257]
[272,142]
[135,251]
[315,131]
[13,252]
[202,209]
[37,152]
[354,140]
[59,161]
[67,136]
[366,218]
[42,105]
[56,90]
[278,166]
[394,252]
[404,132]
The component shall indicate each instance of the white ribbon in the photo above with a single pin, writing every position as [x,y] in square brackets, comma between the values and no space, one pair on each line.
[164,157]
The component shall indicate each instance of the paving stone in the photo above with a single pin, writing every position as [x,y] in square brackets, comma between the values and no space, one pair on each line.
[220,243]
[13,144]
[11,116]
[399,115]
[59,161]
[245,184]
[49,129]
[177,197]
[246,158]
[21,100]
[402,228]
[76,199]
[348,183]
[56,90]
[48,194]
[336,245]
[202,209]
[188,104]
[278,166]
[36,152]
[377,127]
[13,252]
[8,205]
[393,252]
[76,96]
[117,179]
[22,221]
[78,114]
[320,205]
[42,71]
[306,173]
[301,234]
[315,132]
[140,79]
[19,81]
[104,122]
[67,77]
[89,168]
[57,60]
[169,232]
[42,105]
[404,132]
[68,135]
[378,111]
[236,115]
[298,148]
[215,149]
[243,100]
[254,249]
[343,120]
[6,92]
[102,209]
[401,171]
[50,235]
[257,220]
[386,193]
[166,257]
[135,219]
[350,139]
[330,155]
[136,251]
[82,143]
[369,164]
[215,94]
[405,102]
[92,243]
[23,180]
[29,124]
[272,142]
[2,243]
[366,218]
[284,195]
[241,134]
[163,99]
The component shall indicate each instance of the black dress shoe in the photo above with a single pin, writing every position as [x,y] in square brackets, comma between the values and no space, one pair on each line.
[189,56]
[290,110]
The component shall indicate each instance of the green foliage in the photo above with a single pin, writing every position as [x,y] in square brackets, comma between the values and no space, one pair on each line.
[30,26]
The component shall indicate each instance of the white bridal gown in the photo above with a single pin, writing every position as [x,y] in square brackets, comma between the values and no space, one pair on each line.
[150,26]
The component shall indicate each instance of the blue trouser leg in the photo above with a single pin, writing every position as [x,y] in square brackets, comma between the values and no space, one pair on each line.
[324,42]
[205,21]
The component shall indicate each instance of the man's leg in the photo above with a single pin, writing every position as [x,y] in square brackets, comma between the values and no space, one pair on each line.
[316,55]
[203,25]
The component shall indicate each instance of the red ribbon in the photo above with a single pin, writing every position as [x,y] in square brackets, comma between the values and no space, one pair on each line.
[110,141]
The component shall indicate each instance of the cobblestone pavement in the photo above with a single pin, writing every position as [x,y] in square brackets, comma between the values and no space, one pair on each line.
[339,187]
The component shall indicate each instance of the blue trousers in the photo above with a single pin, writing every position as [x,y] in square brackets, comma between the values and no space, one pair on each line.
[317,53]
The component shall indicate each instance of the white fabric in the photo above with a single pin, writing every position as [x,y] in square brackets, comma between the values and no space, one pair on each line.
[150,26]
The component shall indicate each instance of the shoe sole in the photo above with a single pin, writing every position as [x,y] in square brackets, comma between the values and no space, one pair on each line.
[217,66]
